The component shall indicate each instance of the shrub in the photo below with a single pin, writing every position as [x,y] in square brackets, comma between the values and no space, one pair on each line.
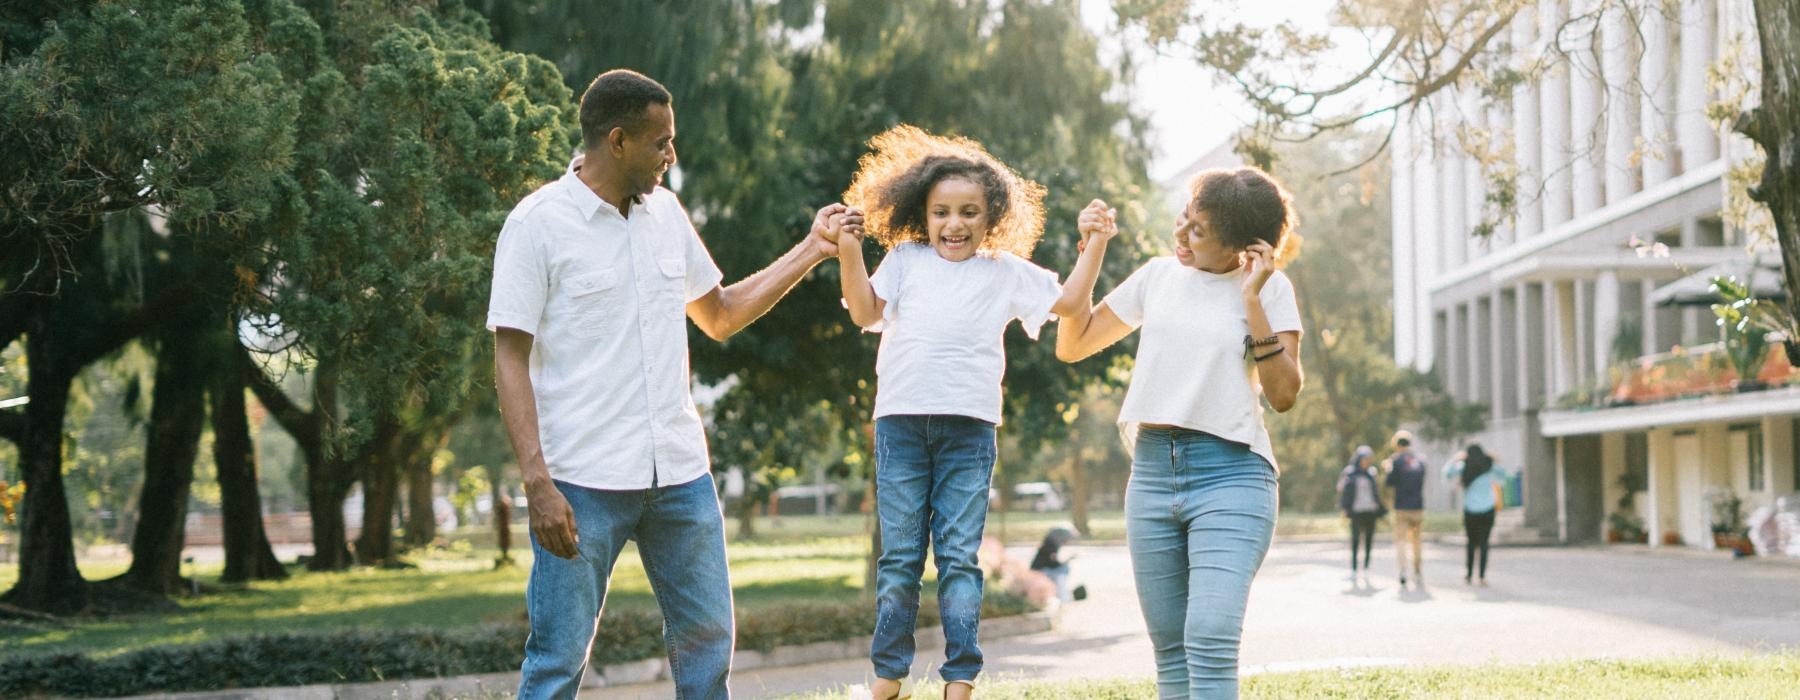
[358,656]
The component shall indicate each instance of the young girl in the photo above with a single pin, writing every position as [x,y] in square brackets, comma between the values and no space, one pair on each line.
[1220,326]
[958,226]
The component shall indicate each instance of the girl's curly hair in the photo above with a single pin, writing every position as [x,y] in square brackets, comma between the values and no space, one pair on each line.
[1247,205]
[903,164]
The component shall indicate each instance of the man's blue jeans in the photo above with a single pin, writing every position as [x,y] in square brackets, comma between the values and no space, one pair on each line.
[680,533]
[1199,513]
[930,470]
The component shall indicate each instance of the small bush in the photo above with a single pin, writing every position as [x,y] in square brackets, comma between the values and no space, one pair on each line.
[359,656]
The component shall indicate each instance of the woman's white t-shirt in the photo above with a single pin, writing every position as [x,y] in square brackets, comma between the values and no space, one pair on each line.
[1191,369]
[942,349]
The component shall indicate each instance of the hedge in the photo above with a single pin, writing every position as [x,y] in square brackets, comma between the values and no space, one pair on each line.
[357,656]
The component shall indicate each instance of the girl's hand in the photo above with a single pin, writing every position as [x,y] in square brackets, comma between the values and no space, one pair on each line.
[1259,262]
[851,224]
[1096,220]
[823,235]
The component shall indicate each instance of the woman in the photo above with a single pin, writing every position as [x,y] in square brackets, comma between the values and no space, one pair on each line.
[1482,497]
[1220,326]
[1360,498]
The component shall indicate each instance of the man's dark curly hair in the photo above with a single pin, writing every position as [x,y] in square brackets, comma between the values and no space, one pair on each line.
[893,181]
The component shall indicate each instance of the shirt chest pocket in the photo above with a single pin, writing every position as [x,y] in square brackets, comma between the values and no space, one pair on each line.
[671,279]
[593,303]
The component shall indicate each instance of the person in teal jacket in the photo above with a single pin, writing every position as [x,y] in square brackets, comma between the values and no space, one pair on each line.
[1483,494]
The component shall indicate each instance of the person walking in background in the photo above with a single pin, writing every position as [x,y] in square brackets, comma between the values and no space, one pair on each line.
[1482,497]
[1360,499]
[1406,476]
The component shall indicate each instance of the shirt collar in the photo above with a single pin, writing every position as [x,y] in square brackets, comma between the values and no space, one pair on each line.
[586,201]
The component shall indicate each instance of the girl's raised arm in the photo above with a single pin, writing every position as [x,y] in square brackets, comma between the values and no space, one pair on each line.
[859,294]
[1081,329]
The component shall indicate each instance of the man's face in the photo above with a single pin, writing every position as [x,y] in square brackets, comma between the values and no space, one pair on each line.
[649,148]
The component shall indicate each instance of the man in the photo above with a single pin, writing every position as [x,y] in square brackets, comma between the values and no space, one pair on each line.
[593,274]
[1406,476]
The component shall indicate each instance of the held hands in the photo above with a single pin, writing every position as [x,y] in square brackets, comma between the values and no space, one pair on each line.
[1096,220]
[1259,262]
[830,226]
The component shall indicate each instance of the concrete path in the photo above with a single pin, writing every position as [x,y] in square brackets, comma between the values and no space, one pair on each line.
[1542,604]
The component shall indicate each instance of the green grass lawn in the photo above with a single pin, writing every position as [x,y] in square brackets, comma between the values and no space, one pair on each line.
[1763,676]
[450,588]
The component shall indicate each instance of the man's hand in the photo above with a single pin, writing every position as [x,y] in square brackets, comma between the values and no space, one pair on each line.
[824,235]
[552,520]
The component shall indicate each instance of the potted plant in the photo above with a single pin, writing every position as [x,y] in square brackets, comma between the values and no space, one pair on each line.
[1624,524]
[1746,338]
[1729,531]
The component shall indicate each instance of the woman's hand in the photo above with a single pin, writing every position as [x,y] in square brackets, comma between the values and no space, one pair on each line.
[1096,220]
[1259,262]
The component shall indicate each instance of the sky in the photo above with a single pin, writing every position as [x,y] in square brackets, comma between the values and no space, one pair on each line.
[1190,112]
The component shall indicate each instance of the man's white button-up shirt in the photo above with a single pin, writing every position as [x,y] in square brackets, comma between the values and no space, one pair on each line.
[604,297]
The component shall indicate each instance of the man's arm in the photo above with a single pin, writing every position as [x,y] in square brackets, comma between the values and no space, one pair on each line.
[552,520]
[726,310]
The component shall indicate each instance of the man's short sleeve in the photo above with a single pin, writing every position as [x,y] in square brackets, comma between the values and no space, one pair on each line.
[703,274]
[521,284]
[1127,299]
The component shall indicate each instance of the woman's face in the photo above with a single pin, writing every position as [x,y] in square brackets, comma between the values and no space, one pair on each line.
[956,218]
[1197,247]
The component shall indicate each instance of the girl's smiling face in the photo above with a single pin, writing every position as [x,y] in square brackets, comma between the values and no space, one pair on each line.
[1196,246]
[956,218]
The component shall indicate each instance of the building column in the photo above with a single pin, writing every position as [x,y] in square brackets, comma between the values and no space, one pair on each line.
[1534,373]
[1585,96]
[1619,65]
[1525,129]
[1698,141]
[1428,235]
[1450,176]
[1499,120]
[1606,318]
[1657,108]
[1500,332]
[1648,315]
[1474,184]
[1560,299]
[1553,108]
[1405,338]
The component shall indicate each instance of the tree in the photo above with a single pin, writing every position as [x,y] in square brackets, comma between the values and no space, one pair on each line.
[1428,49]
[183,117]
[464,130]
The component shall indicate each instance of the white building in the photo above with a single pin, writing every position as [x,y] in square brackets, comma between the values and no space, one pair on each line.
[1612,146]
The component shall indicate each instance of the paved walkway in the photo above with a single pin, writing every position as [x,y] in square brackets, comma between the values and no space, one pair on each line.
[1543,604]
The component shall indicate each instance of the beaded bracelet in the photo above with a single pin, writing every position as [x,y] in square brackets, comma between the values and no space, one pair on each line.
[1250,344]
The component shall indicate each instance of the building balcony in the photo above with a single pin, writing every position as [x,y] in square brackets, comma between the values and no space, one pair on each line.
[1685,385]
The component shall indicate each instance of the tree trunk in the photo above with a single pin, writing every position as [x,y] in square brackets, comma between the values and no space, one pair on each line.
[421,520]
[502,520]
[380,470]
[248,556]
[1079,490]
[48,580]
[746,512]
[177,414]
[1340,416]
[1775,125]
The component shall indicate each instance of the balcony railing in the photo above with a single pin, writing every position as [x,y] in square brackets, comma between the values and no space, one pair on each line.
[1702,370]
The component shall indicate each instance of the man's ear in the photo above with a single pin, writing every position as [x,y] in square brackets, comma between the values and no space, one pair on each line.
[615,141]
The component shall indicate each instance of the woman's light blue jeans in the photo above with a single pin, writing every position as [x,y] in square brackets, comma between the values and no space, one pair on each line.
[1199,513]
[931,477]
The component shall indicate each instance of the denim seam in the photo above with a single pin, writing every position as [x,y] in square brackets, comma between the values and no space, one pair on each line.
[656,583]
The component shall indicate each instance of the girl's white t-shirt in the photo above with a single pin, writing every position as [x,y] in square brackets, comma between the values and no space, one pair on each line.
[942,349]
[1191,368]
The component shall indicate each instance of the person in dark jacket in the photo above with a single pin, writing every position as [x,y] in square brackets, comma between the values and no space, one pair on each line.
[1360,499]
[1406,476]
